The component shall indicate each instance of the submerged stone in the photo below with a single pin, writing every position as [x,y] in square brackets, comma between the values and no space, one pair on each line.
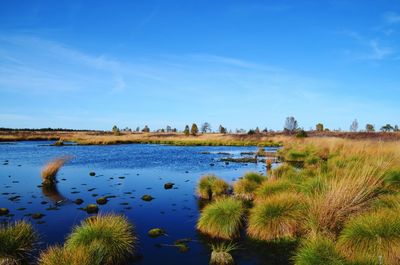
[156,232]
[102,200]
[78,201]
[4,211]
[92,208]
[169,185]
[37,215]
[147,198]
[92,174]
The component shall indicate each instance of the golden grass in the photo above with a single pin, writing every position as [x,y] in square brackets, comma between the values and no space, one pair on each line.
[279,216]
[50,170]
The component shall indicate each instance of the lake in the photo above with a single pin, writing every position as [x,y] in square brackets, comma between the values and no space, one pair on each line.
[127,172]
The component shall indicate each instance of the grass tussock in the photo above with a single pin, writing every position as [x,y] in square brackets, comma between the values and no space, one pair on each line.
[221,255]
[373,236]
[269,188]
[50,170]
[17,241]
[277,217]
[245,187]
[222,218]
[210,186]
[317,251]
[112,237]
[84,255]
[350,191]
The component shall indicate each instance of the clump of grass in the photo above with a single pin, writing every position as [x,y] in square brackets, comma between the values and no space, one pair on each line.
[276,217]
[349,191]
[269,188]
[284,171]
[50,170]
[221,255]
[16,242]
[317,251]
[112,235]
[211,186]
[84,255]
[222,218]
[372,236]
[244,188]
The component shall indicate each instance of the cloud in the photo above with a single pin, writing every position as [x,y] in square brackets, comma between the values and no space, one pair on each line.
[391,18]
[372,48]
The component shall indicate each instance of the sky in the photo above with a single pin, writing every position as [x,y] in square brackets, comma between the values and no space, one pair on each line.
[242,64]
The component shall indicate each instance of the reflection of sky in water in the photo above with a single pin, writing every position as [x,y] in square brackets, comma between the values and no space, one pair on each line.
[145,167]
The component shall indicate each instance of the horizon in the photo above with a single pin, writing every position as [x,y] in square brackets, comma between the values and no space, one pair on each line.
[239,64]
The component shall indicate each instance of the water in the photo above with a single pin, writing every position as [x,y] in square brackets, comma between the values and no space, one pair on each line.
[127,172]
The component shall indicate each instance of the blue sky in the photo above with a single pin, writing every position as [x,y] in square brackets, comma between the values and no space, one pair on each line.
[93,64]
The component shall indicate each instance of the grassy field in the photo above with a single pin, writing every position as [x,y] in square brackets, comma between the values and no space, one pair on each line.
[209,139]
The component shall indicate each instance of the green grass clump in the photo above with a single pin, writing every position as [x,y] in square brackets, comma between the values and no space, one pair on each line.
[16,242]
[112,235]
[284,171]
[276,217]
[392,178]
[221,255]
[222,218]
[269,188]
[318,251]
[245,188]
[84,255]
[210,186]
[372,236]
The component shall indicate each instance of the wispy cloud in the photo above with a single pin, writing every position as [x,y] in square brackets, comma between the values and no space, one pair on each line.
[391,18]
[371,48]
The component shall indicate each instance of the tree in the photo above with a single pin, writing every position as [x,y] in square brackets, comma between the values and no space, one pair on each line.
[186,131]
[146,129]
[396,128]
[354,126]
[319,127]
[290,124]
[138,129]
[257,130]
[194,130]
[387,128]
[222,129]
[369,127]
[169,129]
[116,130]
[265,130]
[205,127]
[174,130]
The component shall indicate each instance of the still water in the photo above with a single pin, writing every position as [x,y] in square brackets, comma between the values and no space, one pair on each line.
[127,172]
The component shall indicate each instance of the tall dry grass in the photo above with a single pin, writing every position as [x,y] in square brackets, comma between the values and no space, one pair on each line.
[50,170]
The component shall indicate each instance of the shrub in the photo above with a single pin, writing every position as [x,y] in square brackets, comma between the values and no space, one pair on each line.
[372,236]
[222,218]
[276,217]
[211,186]
[318,251]
[16,242]
[112,235]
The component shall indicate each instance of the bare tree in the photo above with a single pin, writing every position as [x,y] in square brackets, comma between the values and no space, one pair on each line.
[354,126]
[290,124]
[205,127]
